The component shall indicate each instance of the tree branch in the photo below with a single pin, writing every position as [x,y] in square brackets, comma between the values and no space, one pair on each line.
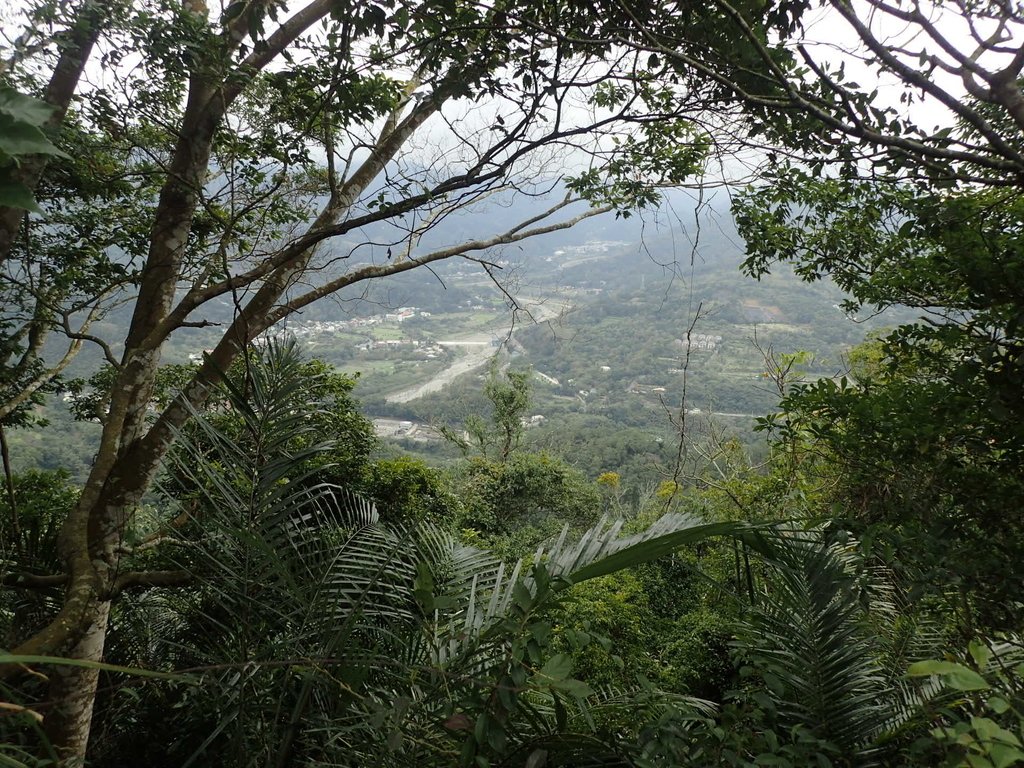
[33,580]
[75,50]
[382,270]
[129,580]
[147,579]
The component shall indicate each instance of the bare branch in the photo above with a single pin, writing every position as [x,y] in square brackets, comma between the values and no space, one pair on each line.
[375,271]
[129,580]
[27,390]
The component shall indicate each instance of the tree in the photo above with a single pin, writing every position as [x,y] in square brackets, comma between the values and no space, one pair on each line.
[246,159]
[516,504]
[227,117]
[927,441]
[965,59]
[900,211]
[64,288]
[23,144]
[507,394]
[509,397]
[407,490]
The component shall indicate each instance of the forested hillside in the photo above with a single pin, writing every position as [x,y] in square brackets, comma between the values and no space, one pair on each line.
[511,384]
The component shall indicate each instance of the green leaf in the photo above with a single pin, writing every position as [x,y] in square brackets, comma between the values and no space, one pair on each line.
[965,679]
[20,138]
[574,687]
[956,675]
[980,652]
[998,704]
[1004,755]
[506,695]
[480,728]
[15,195]
[24,108]
[557,667]
[985,728]
[930,667]
[496,738]
[233,11]
[541,631]
[522,596]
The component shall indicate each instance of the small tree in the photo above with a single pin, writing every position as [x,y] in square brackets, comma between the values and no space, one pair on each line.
[499,431]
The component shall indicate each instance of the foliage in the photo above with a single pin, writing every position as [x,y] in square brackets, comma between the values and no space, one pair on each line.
[501,430]
[22,120]
[518,503]
[30,515]
[807,645]
[928,441]
[29,533]
[608,623]
[335,441]
[983,728]
[820,658]
[193,195]
[408,491]
[694,655]
[322,633]
[65,275]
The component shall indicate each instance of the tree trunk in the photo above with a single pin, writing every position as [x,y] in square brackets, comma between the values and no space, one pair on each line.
[92,535]
[73,689]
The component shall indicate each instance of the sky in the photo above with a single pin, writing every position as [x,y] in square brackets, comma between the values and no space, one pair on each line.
[945,34]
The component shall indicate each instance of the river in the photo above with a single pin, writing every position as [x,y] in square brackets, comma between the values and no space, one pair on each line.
[478,349]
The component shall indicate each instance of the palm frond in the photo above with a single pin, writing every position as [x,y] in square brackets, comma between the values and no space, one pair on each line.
[484,594]
[809,641]
[601,551]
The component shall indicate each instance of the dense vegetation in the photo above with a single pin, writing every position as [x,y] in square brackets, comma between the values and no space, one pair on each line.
[242,575]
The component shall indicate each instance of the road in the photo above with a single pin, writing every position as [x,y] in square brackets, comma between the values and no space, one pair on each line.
[478,350]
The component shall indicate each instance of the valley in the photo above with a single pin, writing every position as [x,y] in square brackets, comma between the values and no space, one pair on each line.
[625,332]
[626,340]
